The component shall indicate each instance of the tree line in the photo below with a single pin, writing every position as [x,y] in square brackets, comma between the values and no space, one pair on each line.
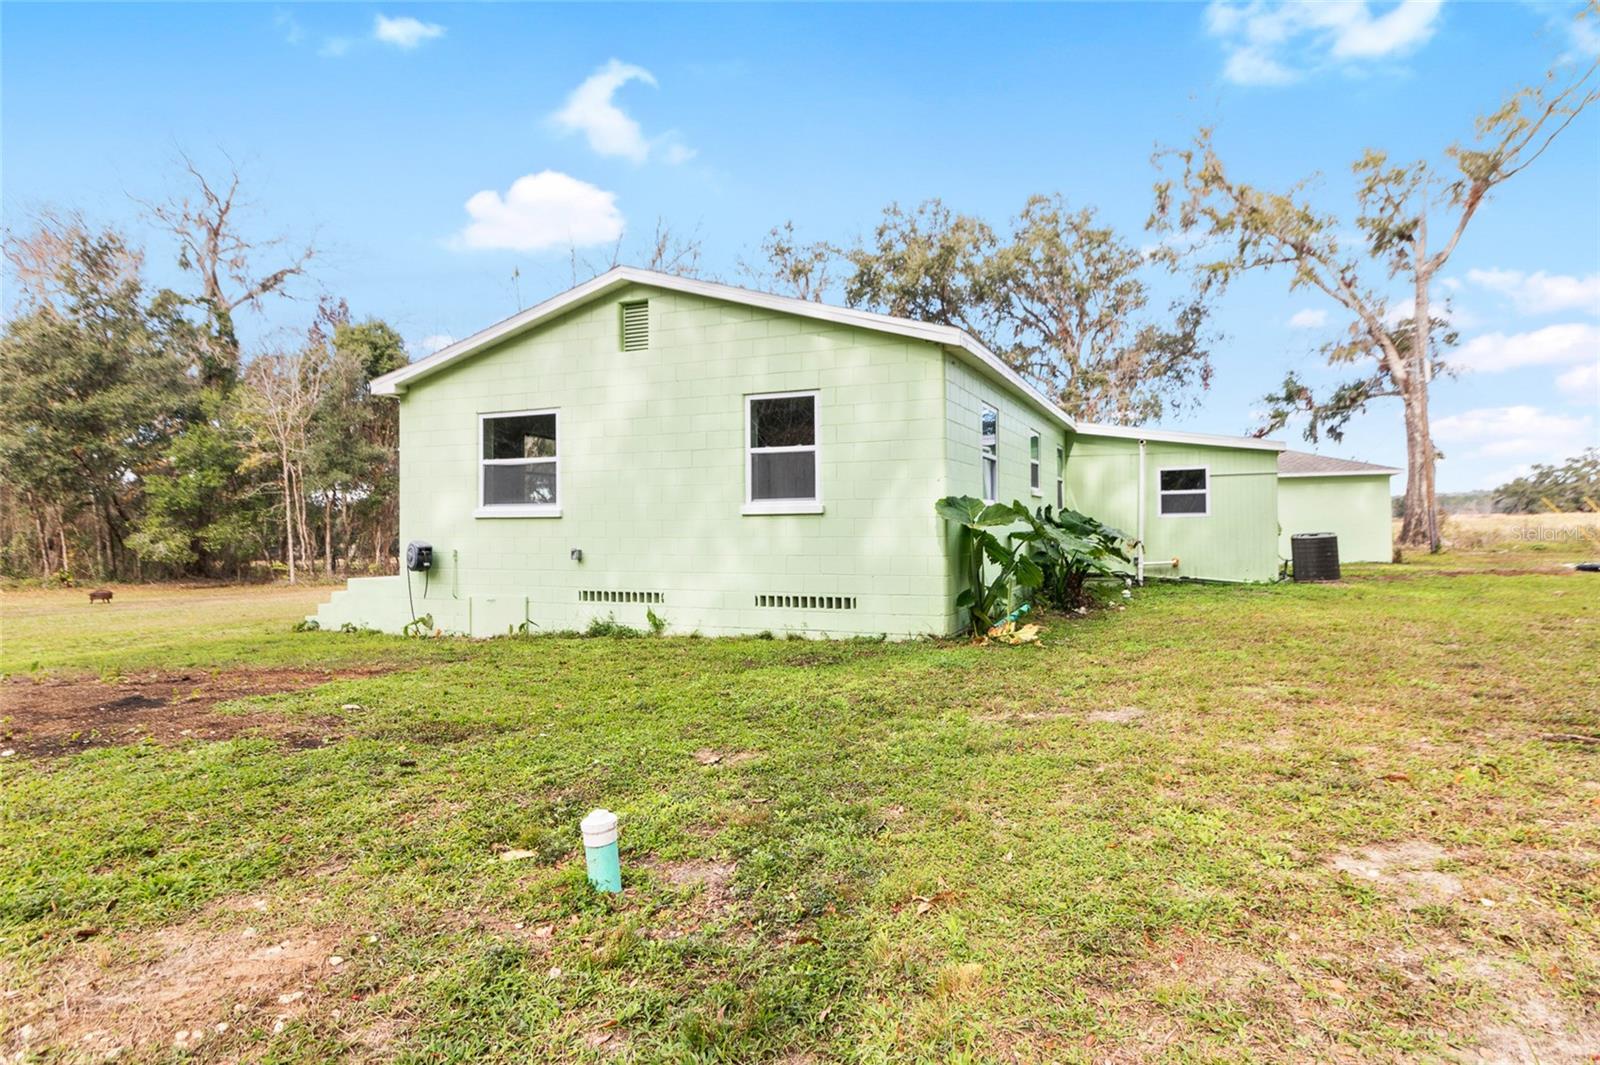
[1571,487]
[137,440]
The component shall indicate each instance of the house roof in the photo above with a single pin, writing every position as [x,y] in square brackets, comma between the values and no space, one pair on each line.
[1306,464]
[1126,432]
[949,337]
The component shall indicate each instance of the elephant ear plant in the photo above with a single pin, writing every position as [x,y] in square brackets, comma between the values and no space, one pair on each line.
[999,574]
[1070,549]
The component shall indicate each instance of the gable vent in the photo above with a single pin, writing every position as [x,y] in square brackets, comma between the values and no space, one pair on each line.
[636,326]
[807,602]
[606,595]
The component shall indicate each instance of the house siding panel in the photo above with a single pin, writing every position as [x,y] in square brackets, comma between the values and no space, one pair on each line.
[1356,509]
[1236,541]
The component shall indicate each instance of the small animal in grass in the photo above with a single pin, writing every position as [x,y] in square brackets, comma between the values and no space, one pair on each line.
[100,595]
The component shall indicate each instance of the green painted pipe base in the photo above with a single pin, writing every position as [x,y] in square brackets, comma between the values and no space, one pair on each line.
[605,869]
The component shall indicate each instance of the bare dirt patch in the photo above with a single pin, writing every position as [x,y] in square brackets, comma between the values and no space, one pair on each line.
[1125,715]
[1408,870]
[711,885]
[63,715]
[1539,1032]
[199,984]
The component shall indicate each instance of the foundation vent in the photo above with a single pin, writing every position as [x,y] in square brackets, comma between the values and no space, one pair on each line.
[807,602]
[606,595]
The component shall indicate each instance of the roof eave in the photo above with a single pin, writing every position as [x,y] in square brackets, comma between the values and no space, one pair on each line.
[1168,436]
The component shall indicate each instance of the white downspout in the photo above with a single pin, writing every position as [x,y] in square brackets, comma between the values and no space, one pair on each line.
[1139,531]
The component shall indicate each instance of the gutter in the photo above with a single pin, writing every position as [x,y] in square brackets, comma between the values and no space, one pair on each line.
[1139,528]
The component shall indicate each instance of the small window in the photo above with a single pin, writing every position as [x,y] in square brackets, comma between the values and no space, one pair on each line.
[1061,478]
[1186,492]
[989,430]
[1033,463]
[636,325]
[782,444]
[519,466]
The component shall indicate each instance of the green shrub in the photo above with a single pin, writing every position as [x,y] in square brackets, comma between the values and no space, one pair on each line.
[990,594]
[1070,550]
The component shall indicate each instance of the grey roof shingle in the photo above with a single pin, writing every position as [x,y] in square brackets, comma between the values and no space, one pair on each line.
[1305,464]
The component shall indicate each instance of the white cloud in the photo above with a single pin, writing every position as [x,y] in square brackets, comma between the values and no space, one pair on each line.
[1511,432]
[434,342]
[1310,318]
[1554,345]
[611,131]
[334,47]
[1542,293]
[676,153]
[1404,309]
[1274,42]
[1582,382]
[293,32]
[404,32]
[544,210]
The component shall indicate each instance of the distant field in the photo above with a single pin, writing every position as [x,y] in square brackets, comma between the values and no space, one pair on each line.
[1492,540]
[1285,823]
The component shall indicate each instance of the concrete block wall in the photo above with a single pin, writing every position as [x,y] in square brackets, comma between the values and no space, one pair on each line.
[652,478]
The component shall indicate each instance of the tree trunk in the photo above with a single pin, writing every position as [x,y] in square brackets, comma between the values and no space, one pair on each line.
[288,516]
[44,537]
[1420,526]
[327,532]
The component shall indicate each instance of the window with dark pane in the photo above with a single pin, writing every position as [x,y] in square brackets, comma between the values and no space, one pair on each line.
[989,453]
[1184,491]
[783,448]
[519,483]
[1183,480]
[519,460]
[520,436]
[783,421]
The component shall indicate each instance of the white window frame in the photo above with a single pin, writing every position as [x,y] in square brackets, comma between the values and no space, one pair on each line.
[989,457]
[783,506]
[518,510]
[1035,463]
[1206,492]
[1061,478]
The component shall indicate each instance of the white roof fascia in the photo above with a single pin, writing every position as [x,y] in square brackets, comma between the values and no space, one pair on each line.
[396,381]
[1382,471]
[1164,436]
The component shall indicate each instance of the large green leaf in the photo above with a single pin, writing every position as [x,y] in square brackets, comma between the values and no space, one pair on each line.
[1001,514]
[1027,573]
[962,510]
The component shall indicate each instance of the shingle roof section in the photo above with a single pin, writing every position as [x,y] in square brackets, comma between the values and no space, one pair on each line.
[1305,464]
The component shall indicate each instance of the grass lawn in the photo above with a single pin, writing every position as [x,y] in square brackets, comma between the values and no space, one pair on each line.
[1343,822]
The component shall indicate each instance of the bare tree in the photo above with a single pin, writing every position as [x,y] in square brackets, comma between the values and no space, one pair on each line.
[41,256]
[791,267]
[1244,227]
[280,395]
[212,246]
[667,252]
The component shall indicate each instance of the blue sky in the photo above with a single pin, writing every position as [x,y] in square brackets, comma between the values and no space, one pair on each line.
[431,150]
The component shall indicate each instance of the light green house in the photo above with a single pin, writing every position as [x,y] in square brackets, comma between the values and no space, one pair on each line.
[737,462]
[1203,506]
[1349,499]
